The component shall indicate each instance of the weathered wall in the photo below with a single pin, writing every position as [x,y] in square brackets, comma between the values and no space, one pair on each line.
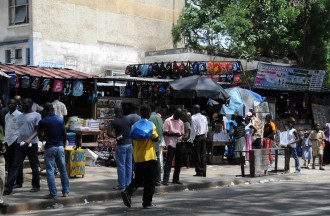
[101,34]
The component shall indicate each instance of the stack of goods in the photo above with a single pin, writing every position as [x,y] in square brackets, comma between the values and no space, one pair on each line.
[71,137]
[94,125]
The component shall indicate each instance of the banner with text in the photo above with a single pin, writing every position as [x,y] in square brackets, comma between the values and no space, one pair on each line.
[287,78]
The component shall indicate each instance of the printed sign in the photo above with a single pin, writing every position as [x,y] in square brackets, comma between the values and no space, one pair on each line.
[288,78]
[75,162]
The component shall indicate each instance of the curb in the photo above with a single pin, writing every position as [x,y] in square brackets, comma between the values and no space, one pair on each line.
[106,196]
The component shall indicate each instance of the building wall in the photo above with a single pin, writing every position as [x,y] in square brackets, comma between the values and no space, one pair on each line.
[92,35]
[95,35]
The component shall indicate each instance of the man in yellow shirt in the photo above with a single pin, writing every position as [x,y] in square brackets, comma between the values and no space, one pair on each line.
[145,165]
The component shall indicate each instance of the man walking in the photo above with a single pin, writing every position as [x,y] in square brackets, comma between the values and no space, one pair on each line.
[199,129]
[28,146]
[159,128]
[119,129]
[173,132]
[145,165]
[11,135]
[53,128]
[2,168]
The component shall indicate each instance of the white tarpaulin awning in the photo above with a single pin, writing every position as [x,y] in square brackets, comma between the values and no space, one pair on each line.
[4,74]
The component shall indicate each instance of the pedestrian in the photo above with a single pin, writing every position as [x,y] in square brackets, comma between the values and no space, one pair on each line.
[2,168]
[159,128]
[326,155]
[53,128]
[186,119]
[133,116]
[249,128]
[293,138]
[269,137]
[240,142]
[173,132]
[11,135]
[199,129]
[145,165]
[27,146]
[317,136]
[230,130]
[119,129]
[257,132]
[307,150]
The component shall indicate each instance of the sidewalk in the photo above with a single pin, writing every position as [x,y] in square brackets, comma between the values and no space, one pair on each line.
[98,183]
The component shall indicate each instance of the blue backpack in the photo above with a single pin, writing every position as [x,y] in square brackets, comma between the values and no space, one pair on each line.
[237,67]
[150,70]
[196,68]
[78,88]
[144,70]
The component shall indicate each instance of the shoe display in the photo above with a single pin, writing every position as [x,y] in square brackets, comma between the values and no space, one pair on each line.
[126,199]
[34,189]
[150,206]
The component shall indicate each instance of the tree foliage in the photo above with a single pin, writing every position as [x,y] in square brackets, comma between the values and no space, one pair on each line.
[282,29]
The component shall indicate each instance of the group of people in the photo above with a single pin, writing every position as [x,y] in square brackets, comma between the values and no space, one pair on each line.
[139,160]
[23,124]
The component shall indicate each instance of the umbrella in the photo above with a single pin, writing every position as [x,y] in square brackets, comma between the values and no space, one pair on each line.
[198,86]
[241,100]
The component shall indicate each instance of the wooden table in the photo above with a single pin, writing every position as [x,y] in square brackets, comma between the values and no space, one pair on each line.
[81,133]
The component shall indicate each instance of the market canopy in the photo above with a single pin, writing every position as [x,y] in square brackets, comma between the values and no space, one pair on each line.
[198,86]
[241,100]
[57,73]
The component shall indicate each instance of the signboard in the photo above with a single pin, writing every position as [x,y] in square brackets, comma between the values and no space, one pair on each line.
[288,78]
[75,162]
[320,114]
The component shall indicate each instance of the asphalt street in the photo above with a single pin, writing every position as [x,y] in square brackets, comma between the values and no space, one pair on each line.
[300,196]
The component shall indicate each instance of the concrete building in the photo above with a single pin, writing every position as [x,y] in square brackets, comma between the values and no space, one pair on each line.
[93,36]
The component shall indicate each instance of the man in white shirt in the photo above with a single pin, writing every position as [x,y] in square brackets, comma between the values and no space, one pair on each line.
[59,108]
[10,141]
[199,129]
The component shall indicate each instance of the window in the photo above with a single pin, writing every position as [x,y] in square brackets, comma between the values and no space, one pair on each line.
[27,52]
[8,56]
[18,12]
[18,53]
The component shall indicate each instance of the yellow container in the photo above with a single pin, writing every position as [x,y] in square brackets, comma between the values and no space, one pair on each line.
[75,162]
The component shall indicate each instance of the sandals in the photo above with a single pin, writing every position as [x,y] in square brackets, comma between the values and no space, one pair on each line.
[34,189]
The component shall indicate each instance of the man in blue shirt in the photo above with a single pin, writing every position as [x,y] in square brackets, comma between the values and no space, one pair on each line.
[53,128]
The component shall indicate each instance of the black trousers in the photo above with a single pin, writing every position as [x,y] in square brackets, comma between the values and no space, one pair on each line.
[200,155]
[171,152]
[10,157]
[145,175]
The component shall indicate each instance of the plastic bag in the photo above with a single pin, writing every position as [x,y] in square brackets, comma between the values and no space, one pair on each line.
[141,130]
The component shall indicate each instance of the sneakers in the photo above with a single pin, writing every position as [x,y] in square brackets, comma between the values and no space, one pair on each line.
[150,206]
[17,186]
[65,194]
[48,196]
[177,182]
[297,171]
[126,199]
[7,192]
[35,189]
[321,168]
[165,183]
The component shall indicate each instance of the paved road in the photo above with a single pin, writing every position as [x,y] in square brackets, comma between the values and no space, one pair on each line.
[302,196]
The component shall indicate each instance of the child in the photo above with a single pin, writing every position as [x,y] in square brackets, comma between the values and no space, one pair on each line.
[317,136]
[307,150]
[293,138]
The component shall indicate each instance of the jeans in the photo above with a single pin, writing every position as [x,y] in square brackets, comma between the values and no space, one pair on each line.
[294,154]
[124,164]
[20,153]
[51,155]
